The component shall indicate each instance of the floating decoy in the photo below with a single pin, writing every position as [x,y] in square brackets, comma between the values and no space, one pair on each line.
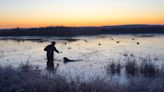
[118,42]
[133,39]
[86,41]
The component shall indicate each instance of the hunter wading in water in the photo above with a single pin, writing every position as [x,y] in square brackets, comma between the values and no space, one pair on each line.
[50,54]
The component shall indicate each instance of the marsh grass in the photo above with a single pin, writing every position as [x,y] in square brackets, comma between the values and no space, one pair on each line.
[28,79]
[114,68]
[131,67]
[146,67]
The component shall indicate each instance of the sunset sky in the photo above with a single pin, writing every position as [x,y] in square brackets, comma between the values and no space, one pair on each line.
[38,13]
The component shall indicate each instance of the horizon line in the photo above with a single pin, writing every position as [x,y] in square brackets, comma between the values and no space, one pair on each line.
[78,26]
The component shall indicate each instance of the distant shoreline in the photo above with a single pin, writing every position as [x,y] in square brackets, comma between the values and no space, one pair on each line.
[84,31]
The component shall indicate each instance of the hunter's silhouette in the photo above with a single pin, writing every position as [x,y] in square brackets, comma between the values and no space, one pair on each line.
[50,54]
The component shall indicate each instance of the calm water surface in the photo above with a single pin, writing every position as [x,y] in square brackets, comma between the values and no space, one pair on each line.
[93,55]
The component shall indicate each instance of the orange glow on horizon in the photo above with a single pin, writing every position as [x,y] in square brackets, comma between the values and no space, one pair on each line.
[42,13]
[45,23]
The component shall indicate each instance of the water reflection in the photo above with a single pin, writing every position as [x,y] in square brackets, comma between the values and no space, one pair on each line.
[93,53]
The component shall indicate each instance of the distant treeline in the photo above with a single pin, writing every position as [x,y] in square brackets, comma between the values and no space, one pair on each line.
[78,31]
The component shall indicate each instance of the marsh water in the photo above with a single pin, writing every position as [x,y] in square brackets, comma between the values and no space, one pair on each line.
[92,53]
